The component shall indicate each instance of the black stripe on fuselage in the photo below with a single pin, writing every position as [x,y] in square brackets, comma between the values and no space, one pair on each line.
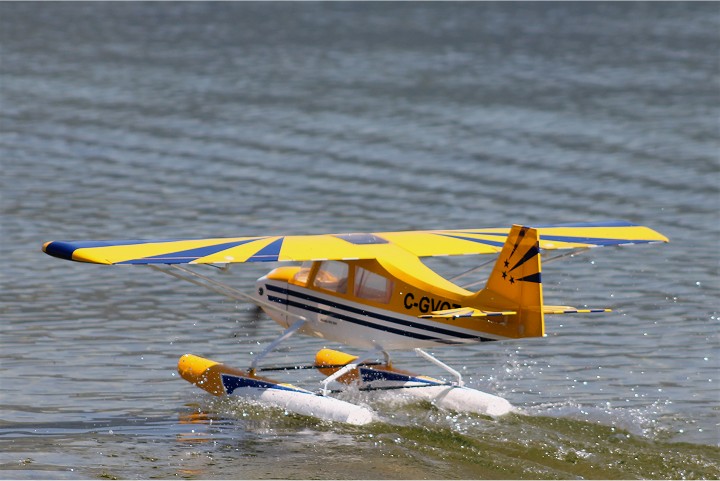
[365,313]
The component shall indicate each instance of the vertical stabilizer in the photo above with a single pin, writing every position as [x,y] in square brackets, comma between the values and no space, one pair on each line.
[515,282]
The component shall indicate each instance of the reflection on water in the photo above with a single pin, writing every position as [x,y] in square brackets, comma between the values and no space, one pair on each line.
[194,419]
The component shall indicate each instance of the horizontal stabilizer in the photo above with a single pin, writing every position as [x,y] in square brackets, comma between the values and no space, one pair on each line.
[465,312]
[570,310]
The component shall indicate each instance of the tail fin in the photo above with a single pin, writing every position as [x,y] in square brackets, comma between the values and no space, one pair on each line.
[515,282]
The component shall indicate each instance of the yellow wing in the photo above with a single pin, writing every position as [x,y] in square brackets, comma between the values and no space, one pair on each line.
[343,246]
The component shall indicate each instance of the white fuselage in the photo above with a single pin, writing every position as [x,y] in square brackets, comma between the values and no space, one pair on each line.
[356,324]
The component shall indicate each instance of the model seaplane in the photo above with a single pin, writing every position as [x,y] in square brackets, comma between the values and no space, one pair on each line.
[370,291]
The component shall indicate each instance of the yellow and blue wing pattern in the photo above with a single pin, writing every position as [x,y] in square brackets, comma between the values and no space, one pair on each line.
[344,246]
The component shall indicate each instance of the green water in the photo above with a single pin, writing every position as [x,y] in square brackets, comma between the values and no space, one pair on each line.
[230,439]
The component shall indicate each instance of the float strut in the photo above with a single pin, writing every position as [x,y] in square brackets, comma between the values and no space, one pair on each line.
[438,362]
[286,334]
[347,368]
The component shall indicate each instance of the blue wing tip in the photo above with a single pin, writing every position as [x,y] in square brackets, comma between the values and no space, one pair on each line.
[59,249]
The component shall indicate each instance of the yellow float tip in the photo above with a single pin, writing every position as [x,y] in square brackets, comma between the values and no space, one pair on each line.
[202,372]
[330,357]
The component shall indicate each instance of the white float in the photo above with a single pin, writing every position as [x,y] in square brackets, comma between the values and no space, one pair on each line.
[219,379]
[441,394]
[346,369]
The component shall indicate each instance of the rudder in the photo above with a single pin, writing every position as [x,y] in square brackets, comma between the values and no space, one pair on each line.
[515,282]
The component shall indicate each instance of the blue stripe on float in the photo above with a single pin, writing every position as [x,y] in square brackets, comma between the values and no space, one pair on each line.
[231,382]
[369,375]
[365,313]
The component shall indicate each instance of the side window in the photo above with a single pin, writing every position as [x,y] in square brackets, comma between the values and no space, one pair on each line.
[333,276]
[301,277]
[371,286]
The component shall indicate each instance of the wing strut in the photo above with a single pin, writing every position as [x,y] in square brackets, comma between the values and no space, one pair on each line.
[545,262]
[219,287]
[470,271]
[191,276]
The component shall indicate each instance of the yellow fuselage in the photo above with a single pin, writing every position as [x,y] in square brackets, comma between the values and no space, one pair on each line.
[375,304]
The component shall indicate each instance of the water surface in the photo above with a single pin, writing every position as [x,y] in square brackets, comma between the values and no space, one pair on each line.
[174,120]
